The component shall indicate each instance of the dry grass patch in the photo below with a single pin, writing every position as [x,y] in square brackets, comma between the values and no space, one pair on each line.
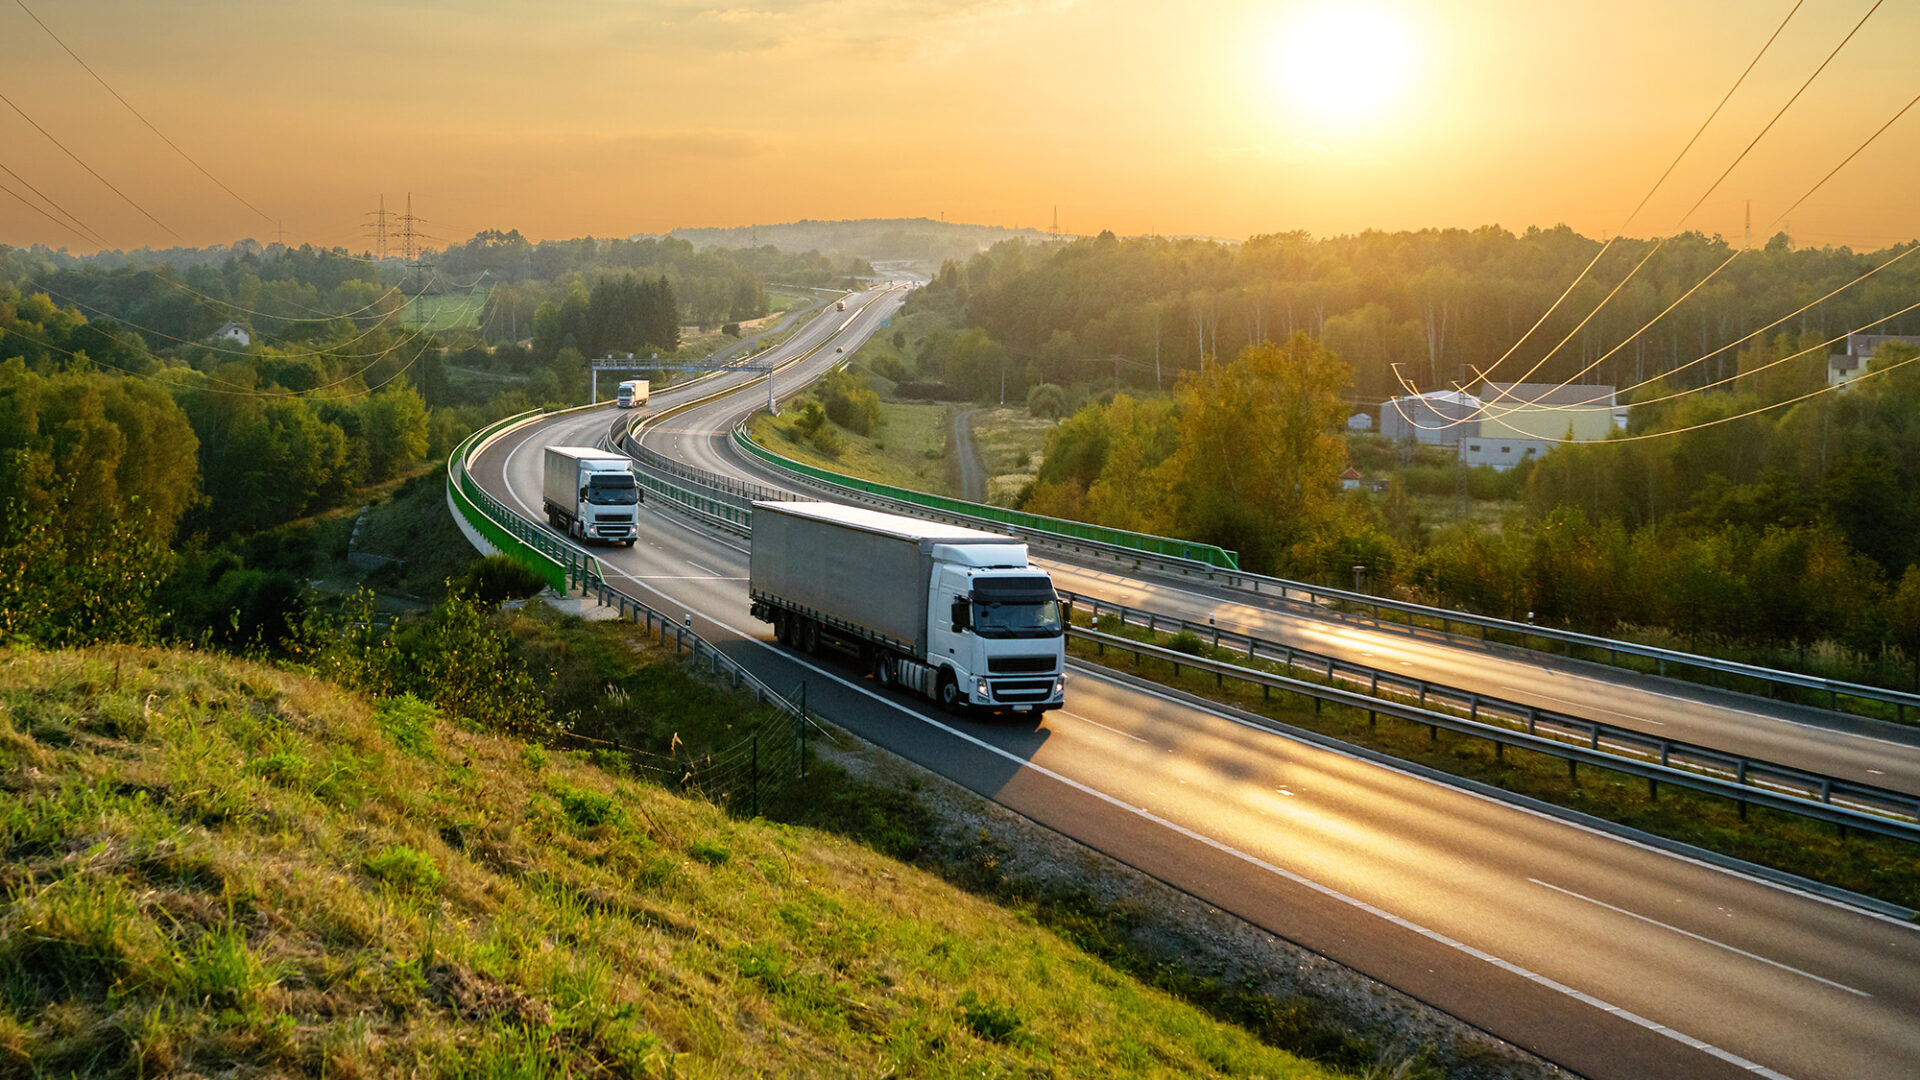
[216,867]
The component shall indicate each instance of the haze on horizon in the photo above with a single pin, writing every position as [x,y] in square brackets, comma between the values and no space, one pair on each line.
[609,118]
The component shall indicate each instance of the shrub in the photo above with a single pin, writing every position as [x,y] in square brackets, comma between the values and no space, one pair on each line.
[989,1020]
[1186,641]
[406,720]
[586,809]
[405,869]
[711,854]
[1047,400]
[497,578]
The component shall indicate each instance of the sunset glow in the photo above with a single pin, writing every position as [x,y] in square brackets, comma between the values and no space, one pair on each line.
[613,117]
[1340,65]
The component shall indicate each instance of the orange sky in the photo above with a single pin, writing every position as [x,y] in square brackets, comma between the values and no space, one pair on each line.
[610,118]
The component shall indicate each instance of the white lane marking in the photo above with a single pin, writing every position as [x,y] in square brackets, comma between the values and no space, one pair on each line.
[697,566]
[1698,937]
[1098,724]
[1878,772]
[1582,705]
[1798,894]
[1306,883]
[1145,587]
[682,577]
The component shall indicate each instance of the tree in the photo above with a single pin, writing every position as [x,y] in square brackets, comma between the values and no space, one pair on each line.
[1260,450]
[1903,618]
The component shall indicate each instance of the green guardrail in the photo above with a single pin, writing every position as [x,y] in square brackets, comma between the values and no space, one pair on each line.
[1163,546]
[560,565]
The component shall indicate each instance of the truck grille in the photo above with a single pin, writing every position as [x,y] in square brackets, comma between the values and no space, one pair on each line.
[615,519]
[1023,690]
[1021,665]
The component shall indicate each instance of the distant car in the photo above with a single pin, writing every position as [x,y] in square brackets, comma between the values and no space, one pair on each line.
[839,348]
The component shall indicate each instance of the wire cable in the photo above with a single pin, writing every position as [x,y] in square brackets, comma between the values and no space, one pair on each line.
[24,201]
[90,169]
[91,236]
[1644,199]
[136,112]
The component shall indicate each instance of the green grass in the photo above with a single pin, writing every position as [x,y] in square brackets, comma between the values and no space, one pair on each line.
[1873,866]
[1011,443]
[909,449]
[477,909]
[449,311]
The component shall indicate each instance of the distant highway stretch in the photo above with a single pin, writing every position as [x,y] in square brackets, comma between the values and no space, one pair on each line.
[1605,956]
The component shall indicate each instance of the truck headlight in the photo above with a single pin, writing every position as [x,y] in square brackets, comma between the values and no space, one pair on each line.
[984,689]
[1059,686]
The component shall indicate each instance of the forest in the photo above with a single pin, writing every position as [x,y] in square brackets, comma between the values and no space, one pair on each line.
[146,460]
[1741,508]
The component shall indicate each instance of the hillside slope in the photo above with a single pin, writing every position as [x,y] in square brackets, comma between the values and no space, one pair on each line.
[219,867]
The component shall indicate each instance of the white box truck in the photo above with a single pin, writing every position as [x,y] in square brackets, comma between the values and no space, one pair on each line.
[632,394]
[591,494]
[953,613]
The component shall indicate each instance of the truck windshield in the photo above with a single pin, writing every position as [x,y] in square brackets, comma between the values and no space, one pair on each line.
[1016,618]
[613,491]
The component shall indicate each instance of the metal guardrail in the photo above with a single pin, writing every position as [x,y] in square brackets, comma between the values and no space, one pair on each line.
[559,564]
[566,568]
[1378,612]
[1484,708]
[1770,788]
[1014,521]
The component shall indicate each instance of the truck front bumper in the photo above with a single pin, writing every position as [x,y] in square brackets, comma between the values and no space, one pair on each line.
[1027,694]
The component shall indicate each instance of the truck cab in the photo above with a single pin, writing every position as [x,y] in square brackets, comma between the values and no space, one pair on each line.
[996,631]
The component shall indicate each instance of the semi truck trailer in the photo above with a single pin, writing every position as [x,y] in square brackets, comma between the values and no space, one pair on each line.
[591,494]
[956,614]
[632,394]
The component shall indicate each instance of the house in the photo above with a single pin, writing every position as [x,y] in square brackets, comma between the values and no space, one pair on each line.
[1359,422]
[1437,418]
[1545,412]
[1848,365]
[1499,454]
[1350,480]
[232,332]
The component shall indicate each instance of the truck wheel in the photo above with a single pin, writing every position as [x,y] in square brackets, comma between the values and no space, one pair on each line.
[782,623]
[810,637]
[631,539]
[883,670]
[949,692]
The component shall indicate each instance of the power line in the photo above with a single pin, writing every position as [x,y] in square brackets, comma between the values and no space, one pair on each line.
[90,169]
[90,237]
[29,205]
[1644,199]
[136,112]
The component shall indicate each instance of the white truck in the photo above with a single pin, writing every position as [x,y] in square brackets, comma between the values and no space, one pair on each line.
[953,613]
[591,494]
[632,394]
[841,306]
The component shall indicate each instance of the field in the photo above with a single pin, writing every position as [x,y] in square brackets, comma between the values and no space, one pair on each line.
[909,449]
[450,311]
[218,867]
[1009,441]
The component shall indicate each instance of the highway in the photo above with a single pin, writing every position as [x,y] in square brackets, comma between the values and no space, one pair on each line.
[1602,955]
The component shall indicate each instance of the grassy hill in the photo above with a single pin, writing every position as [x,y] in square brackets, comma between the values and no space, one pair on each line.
[220,867]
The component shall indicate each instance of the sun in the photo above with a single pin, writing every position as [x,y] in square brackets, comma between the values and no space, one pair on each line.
[1342,65]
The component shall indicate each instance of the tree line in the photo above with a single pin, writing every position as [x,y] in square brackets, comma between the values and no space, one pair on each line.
[1434,306]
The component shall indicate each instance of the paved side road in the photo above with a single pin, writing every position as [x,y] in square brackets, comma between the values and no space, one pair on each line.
[973,475]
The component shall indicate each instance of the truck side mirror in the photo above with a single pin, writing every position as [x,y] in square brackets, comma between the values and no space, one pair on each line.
[961,611]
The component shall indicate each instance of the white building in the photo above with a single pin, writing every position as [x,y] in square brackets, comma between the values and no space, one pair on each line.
[1844,367]
[232,332]
[1438,417]
[1359,422]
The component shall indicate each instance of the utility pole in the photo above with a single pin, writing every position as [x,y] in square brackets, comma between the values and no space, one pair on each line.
[408,249]
[380,229]
[1749,244]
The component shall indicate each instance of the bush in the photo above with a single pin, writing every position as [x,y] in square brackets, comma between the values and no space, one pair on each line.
[732,329]
[1048,401]
[1186,641]
[586,809]
[405,869]
[497,578]
[406,720]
